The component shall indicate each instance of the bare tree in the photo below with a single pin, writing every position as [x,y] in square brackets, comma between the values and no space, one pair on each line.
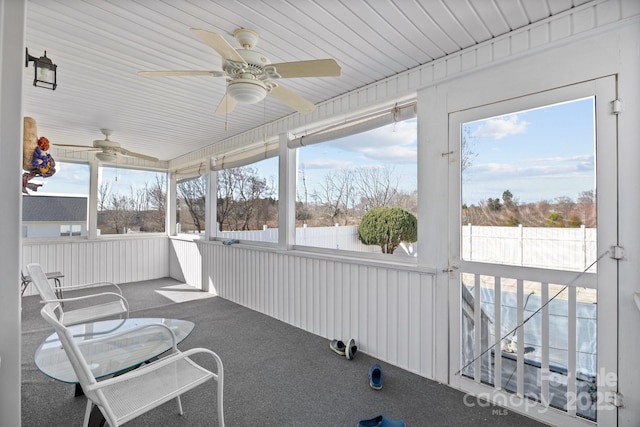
[240,196]
[468,155]
[156,201]
[302,204]
[227,184]
[104,193]
[251,190]
[334,195]
[377,186]
[193,193]
[120,213]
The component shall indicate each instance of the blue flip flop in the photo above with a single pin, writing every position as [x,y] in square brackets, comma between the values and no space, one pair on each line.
[375,377]
[381,421]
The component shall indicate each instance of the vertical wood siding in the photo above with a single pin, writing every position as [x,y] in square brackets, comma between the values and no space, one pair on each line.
[387,310]
[185,262]
[119,260]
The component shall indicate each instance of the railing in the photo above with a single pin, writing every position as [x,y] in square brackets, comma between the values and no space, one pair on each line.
[549,358]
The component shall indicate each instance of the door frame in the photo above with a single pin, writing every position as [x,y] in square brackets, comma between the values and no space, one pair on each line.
[604,91]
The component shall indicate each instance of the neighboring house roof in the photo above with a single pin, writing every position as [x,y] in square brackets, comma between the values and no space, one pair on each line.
[54,209]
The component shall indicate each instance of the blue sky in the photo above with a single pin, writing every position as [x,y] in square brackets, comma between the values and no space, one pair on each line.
[73,178]
[539,154]
[393,146]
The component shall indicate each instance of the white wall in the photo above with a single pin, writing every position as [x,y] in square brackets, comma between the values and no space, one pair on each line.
[628,320]
[386,308]
[185,262]
[600,39]
[118,260]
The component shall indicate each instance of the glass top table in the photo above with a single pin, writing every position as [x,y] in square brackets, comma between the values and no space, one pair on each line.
[108,355]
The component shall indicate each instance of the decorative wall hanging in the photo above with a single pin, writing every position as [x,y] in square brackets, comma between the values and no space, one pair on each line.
[36,161]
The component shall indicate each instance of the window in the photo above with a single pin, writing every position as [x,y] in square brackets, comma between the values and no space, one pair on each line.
[131,201]
[247,205]
[70,230]
[59,206]
[342,179]
[528,187]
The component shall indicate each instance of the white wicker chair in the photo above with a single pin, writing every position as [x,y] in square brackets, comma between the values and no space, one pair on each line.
[133,393]
[111,304]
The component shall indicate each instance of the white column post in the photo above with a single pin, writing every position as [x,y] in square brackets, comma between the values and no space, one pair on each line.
[287,194]
[12,44]
[172,204]
[211,204]
[92,209]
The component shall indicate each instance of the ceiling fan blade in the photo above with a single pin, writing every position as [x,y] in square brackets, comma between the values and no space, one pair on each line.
[138,155]
[312,68]
[219,44]
[76,146]
[292,99]
[181,73]
[227,105]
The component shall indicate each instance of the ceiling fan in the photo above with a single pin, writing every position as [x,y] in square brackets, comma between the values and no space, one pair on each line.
[107,150]
[251,76]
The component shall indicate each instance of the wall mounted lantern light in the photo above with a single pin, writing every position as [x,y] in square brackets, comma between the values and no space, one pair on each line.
[45,70]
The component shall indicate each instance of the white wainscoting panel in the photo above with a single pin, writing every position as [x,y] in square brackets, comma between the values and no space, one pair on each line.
[118,260]
[185,262]
[388,310]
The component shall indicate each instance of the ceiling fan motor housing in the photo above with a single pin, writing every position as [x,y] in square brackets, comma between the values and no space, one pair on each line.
[246,37]
[247,85]
[105,143]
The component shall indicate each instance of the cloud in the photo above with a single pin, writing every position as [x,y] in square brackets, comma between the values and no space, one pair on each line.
[563,167]
[326,164]
[394,143]
[392,154]
[500,127]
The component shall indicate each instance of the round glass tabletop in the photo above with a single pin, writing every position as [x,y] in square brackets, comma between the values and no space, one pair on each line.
[107,350]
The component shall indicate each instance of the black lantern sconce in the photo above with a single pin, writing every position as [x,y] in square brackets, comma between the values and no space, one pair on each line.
[45,70]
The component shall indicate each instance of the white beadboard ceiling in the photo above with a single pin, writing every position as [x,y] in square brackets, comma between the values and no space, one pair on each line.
[100,45]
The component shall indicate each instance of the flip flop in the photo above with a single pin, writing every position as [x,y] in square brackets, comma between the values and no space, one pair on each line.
[338,347]
[381,421]
[375,377]
[351,349]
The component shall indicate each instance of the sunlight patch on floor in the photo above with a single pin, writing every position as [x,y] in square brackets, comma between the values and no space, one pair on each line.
[183,293]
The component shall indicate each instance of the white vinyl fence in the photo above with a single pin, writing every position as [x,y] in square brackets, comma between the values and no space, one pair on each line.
[543,247]
[337,237]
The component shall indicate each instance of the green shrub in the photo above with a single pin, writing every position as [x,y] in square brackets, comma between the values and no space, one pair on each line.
[387,227]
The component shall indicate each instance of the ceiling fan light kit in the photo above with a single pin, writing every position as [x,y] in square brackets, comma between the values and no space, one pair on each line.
[247,91]
[250,74]
[106,156]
